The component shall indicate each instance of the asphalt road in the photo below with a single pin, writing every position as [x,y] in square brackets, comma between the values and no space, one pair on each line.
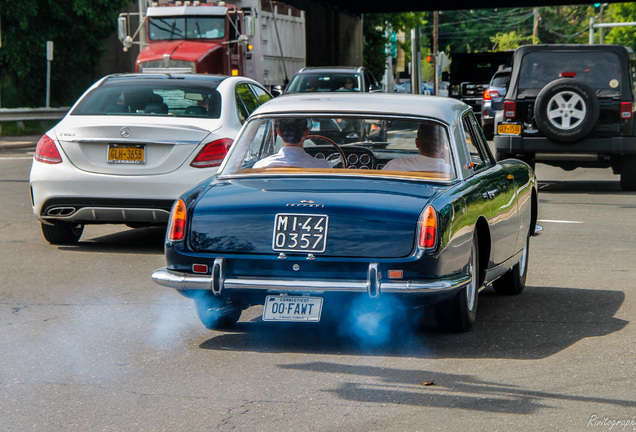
[90,343]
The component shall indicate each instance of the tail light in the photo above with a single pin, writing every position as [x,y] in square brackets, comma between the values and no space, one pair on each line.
[212,154]
[510,109]
[627,110]
[489,94]
[46,151]
[568,74]
[176,226]
[428,228]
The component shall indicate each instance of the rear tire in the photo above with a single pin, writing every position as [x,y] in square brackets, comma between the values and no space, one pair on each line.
[628,173]
[209,310]
[62,233]
[514,280]
[458,314]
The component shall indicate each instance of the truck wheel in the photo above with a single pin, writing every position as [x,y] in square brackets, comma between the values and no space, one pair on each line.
[459,313]
[62,233]
[514,280]
[566,110]
[628,173]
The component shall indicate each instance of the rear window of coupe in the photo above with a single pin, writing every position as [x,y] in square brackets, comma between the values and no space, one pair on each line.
[318,144]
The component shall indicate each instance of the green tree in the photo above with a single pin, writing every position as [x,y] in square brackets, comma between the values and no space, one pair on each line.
[375,38]
[77,29]
[621,12]
[509,41]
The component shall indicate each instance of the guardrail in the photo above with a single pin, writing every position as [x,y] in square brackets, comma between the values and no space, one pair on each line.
[31,114]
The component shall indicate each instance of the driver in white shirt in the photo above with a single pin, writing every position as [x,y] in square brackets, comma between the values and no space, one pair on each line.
[431,145]
[291,155]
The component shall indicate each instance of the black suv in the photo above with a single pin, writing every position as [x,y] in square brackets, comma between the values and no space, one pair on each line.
[571,106]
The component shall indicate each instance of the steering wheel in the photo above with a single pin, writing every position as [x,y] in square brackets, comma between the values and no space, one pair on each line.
[330,141]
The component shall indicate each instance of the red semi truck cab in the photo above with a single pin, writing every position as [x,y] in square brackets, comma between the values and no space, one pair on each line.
[194,39]
[258,39]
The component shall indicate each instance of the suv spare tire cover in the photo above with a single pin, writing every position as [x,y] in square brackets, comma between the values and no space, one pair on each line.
[566,110]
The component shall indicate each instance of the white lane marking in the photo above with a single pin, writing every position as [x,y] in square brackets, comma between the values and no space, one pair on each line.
[560,221]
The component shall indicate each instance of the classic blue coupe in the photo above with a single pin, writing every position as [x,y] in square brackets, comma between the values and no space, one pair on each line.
[323,199]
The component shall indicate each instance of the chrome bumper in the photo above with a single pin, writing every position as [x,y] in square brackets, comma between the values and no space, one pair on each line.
[372,286]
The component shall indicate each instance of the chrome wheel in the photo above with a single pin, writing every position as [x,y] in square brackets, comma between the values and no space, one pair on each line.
[566,110]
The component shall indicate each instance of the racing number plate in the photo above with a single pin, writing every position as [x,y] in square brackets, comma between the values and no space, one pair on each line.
[290,308]
[127,153]
[300,232]
[509,129]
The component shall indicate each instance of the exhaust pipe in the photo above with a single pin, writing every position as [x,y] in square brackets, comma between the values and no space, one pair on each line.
[61,211]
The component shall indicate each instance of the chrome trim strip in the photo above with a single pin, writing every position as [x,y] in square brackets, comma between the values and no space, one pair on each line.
[186,281]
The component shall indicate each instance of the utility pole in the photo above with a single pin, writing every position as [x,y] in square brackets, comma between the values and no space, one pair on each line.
[416,61]
[535,30]
[435,49]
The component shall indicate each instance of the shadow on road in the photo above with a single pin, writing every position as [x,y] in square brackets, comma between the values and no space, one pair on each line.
[148,240]
[580,186]
[539,323]
[424,388]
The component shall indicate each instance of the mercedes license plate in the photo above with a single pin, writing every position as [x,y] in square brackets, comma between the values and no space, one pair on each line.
[290,308]
[300,232]
[127,153]
[509,129]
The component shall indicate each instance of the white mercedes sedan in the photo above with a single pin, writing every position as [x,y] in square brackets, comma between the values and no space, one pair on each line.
[131,145]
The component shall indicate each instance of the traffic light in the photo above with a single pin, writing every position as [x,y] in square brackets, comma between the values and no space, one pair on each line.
[393,39]
[429,58]
[597,8]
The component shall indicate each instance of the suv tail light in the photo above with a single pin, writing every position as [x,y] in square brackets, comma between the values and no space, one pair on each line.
[627,110]
[510,109]
[46,151]
[568,74]
[489,94]
[212,154]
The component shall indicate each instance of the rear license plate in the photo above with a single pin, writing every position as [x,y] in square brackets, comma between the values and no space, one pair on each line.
[127,153]
[509,129]
[300,232]
[289,308]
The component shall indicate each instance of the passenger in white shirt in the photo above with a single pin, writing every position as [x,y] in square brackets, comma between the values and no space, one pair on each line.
[291,155]
[431,145]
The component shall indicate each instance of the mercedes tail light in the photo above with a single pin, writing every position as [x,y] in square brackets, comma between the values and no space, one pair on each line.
[177,224]
[510,109]
[428,228]
[627,110]
[46,151]
[212,154]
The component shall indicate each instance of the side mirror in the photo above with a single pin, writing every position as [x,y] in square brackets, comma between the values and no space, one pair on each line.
[276,91]
[250,26]
[122,27]
[374,88]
